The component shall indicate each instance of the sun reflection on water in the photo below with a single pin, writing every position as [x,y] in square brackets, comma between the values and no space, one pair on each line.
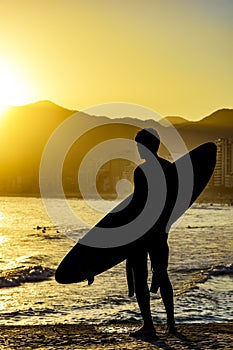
[2,239]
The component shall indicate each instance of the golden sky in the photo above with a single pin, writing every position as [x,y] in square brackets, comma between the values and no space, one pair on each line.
[174,56]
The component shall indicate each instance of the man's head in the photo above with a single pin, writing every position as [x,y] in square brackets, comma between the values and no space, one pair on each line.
[149,138]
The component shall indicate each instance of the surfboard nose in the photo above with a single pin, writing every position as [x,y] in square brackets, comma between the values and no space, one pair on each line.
[62,275]
[69,269]
[66,271]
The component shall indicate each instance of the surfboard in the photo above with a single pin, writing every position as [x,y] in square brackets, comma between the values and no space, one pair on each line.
[84,261]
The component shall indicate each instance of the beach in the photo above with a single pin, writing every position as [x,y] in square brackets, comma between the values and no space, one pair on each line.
[115,336]
[38,313]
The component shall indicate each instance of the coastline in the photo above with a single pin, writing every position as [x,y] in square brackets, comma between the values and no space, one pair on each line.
[214,195]
[115,336]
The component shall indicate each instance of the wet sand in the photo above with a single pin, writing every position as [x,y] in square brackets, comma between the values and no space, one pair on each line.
[74,336]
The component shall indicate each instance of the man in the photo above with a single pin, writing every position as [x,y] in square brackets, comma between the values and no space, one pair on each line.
[154,242]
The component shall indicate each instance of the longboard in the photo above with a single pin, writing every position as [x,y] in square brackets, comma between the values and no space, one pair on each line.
[83,261]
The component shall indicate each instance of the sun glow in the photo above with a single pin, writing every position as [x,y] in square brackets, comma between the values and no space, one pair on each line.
[13,87]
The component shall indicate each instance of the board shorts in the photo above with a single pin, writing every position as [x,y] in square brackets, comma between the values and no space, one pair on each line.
[137,262]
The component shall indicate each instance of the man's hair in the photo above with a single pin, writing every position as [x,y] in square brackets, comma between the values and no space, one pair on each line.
[149,138]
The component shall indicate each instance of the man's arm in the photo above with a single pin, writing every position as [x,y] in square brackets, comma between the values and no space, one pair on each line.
[134,207]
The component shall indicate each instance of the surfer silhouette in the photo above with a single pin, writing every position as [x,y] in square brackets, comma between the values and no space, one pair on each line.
[139,226]
[155,244]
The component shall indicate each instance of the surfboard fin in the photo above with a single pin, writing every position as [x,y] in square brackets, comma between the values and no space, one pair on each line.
[90,280]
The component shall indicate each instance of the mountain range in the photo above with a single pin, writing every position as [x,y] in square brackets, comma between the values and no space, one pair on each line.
[25,130]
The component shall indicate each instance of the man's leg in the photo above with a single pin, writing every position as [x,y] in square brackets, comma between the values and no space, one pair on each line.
[139,265]
[166,291]
[159,255]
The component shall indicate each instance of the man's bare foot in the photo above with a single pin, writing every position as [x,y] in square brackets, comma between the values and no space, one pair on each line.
[144,332]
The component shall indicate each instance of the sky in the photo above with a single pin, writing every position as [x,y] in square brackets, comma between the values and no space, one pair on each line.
[173,56]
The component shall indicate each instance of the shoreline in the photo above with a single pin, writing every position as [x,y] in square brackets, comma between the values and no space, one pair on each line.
[115,336]
[204,198]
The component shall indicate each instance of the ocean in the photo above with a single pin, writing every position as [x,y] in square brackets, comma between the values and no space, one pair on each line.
[200,267]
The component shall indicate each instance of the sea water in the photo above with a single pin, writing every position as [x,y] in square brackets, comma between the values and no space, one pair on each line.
[31,247]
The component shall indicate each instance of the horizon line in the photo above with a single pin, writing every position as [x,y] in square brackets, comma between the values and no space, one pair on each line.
[7,108]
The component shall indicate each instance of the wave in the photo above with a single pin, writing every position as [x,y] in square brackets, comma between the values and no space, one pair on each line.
[194,276]
[199,227]
[208,206]
[210,271]
[221,270]
[19,275]
[76,234]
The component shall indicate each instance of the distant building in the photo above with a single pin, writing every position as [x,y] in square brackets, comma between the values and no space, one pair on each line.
[98,176]
[223,173]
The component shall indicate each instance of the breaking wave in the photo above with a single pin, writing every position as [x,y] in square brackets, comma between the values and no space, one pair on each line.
[19,275]
[221,270]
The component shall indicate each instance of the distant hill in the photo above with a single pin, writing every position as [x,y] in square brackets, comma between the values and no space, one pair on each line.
[217,125]
[31,123]
[222,118]
[177,120]
[25,130]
